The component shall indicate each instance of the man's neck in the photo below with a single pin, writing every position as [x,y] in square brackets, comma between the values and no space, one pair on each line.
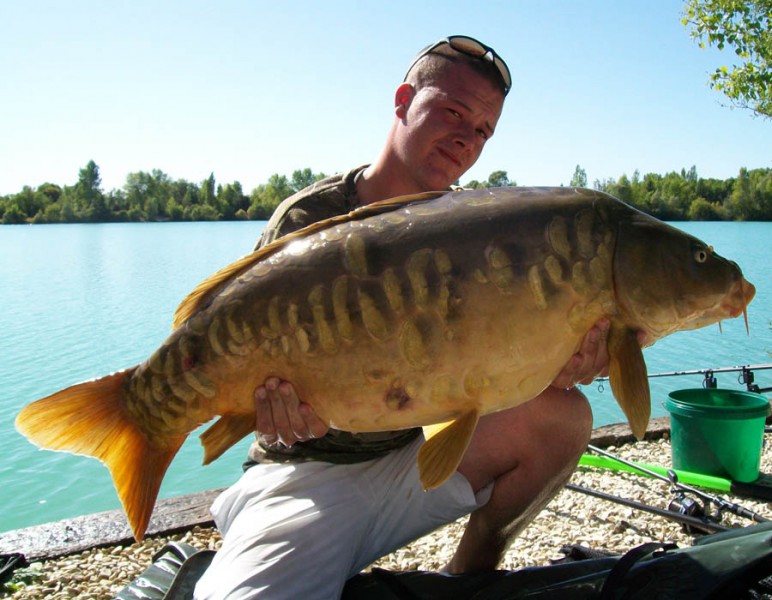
[379,182]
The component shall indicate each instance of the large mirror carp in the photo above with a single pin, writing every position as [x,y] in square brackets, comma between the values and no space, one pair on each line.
[428,310]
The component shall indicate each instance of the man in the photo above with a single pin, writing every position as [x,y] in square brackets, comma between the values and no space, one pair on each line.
[324,504]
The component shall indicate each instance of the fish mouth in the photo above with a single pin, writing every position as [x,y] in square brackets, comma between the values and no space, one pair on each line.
[738,299]
[732,304]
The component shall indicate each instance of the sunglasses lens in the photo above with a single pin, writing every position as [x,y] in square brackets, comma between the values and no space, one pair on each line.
[472,47]
[504,70]
[467,45]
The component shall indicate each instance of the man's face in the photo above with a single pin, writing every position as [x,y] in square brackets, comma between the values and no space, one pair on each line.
[445,127]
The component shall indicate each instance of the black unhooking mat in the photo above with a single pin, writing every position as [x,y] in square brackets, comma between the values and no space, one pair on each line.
[731,564]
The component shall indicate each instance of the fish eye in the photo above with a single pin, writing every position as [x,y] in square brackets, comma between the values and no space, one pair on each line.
[701,254]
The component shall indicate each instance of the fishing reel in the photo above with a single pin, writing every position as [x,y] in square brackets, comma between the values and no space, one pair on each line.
[690,507]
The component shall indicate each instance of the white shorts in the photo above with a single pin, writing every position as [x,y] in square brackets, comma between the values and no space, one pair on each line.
[301,530]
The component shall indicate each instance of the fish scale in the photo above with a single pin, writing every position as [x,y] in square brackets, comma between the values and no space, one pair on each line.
[429,310]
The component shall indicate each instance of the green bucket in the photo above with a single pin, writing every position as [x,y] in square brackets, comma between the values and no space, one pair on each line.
[717,432]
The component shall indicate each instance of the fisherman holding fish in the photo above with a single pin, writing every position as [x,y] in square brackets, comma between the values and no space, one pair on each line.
[318,505]
[385,301]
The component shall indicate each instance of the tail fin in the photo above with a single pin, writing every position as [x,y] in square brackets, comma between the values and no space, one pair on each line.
[90,419]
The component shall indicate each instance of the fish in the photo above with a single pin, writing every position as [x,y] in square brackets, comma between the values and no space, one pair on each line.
[419,311]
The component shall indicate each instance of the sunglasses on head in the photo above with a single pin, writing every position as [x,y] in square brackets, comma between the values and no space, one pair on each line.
[471,47]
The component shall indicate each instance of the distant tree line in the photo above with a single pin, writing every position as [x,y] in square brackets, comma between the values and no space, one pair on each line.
[680,196]
[155,196]
[686,197]
[150,196]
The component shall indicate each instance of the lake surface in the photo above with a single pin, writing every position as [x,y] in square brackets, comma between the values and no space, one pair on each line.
[81,301]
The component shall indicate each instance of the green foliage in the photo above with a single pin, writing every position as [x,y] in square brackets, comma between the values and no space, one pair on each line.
[155,196]
[13,215]
[21,578]
[746,27]
[702,210]
[88,194]
[499,179]
[266,197]
[495,179]
[580,177]
[152,196]
[685,196]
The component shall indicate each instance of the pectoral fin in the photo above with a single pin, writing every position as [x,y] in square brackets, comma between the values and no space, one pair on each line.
[226,431]
[629,379]
[445,444]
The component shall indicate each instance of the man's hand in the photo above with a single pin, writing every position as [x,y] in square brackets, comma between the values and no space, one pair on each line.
[590,362]
[282,417]
[592,359]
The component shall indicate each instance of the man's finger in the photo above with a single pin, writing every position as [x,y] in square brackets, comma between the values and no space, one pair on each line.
[264,416]
[315,426]
[281,421]
[291,402]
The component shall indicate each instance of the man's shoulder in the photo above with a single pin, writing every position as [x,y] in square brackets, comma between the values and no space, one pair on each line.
[339,187]
[332,185]
[321,200]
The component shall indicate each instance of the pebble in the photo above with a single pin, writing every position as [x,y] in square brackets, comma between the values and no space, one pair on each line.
[570,518]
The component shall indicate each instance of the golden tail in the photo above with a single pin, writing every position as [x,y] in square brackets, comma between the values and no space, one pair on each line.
[90,418]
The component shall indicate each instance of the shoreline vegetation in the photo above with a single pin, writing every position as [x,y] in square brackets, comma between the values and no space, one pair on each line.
[154,196]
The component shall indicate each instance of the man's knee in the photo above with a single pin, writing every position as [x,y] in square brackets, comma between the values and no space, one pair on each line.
[576,421]
[561,426]
[548,433]
[567,424]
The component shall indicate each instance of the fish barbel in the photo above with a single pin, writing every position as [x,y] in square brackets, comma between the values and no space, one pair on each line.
[429,310]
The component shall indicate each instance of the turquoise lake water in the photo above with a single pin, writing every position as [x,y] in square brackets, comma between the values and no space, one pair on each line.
[81,301]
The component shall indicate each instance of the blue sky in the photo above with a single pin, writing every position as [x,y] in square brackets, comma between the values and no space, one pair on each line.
[246,89]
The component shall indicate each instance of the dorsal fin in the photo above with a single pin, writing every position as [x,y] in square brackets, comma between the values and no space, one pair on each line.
[209,288]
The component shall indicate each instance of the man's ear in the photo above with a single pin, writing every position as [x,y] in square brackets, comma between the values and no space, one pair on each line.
[402,99]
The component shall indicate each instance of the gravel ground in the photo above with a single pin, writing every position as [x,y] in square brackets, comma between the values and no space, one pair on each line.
[571,518]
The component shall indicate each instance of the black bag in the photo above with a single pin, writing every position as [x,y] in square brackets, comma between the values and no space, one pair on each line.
[8,564]
[730,564]
[173,575]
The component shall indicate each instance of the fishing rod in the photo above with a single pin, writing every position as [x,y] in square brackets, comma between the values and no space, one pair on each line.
[691,522]
[728,486]
[680,489]
[745,378]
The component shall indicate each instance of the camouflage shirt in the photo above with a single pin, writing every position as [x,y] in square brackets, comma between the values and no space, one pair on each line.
[324,199]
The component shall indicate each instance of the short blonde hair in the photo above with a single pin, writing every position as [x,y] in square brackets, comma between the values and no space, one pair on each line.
[432,67]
